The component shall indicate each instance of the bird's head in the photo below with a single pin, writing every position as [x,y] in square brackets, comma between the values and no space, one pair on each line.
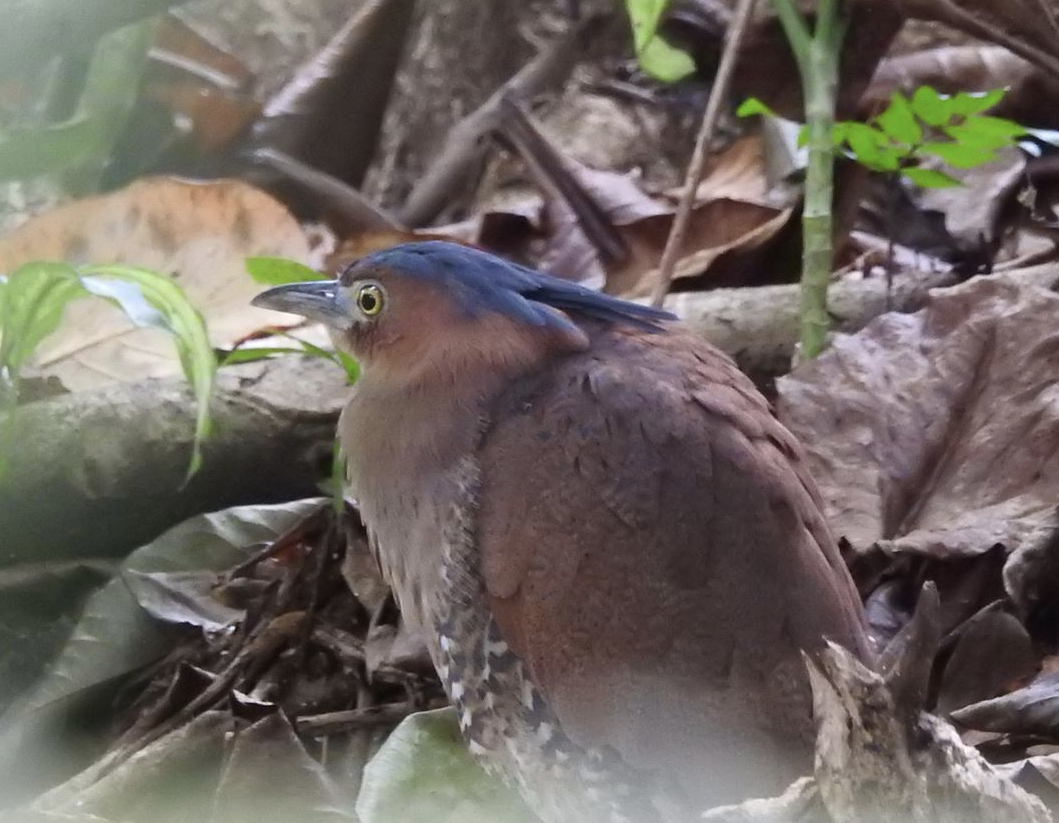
[434,306]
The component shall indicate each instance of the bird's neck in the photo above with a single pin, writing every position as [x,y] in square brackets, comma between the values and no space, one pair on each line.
[412,462]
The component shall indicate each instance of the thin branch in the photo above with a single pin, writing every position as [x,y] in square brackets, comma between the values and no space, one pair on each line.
[464,146]
[718,94]
[796,29]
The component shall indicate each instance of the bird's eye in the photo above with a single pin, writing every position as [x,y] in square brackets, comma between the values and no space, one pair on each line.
[370,299]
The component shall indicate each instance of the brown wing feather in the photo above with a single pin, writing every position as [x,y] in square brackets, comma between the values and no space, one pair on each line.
[654,552]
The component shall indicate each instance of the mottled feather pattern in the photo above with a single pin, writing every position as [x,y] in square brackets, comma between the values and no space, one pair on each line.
[503,715]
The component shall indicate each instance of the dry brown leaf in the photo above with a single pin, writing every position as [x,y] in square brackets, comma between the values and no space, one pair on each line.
[936,432]
[975,212]
[716,229]
[200,233]
[739,173]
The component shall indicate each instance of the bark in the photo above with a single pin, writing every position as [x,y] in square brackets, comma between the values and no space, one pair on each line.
[759,326]
[98,473]
[461,53]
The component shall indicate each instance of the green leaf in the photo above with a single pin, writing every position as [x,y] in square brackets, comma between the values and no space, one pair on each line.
[997,126]
[968,135]
[752,106]
[931,178]
[957,154]
[278,271]
[424,774]
[252,354]
[29,153]
[898,121]
[872,147]
[351,366]
[931,107]
[189,331]
[968,103]
[35,298]
[665,63]
[645,15]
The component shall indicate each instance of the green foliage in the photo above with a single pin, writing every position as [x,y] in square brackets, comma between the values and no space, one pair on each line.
[279,271]
[80,146]
[33,300]
[950,128]
[424,774]
[659,59]
[252,354]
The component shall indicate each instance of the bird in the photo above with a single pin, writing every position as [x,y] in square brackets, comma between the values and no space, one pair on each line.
[613,548]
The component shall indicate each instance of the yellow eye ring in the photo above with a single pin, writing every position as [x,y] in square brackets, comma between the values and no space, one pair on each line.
[370,299]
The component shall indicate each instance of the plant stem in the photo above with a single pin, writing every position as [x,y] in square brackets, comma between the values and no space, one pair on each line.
[817,58]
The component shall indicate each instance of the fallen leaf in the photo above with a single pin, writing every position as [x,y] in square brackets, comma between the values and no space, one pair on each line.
[200,233]
[933,433]
[424,774]
[1033,710]
[993,653]
[181,598]
[269,776]
[974,212]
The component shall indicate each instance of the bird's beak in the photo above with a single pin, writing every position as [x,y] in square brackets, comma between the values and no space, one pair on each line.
[320,300]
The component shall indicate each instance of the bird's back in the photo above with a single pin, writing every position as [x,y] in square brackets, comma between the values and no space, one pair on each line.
[653,551]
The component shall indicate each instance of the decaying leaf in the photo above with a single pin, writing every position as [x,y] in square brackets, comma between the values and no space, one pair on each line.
[116,636]
[271,777]
[1032,710]
[181,598]
[603,222]
[200,233]
[424,774]
[934,433]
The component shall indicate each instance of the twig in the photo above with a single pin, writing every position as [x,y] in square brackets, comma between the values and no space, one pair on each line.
[696,168]
[552,175]
[341,202]
[344,721]
[464,145]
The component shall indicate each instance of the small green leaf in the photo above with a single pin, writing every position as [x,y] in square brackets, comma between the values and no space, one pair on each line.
[898,121]
[35,298]
[256,353]
[968,103]
[931,107]
[278,271]
[664,62]
[872,148]
[839,134]
[351,366]
[998,126]
[752,106]
[645,15]
[968,135]
[931,178]
[189,333]
[957,154]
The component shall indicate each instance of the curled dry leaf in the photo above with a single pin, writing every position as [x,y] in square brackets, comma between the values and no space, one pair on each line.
[980,211]
[1033,710]
[200,233]
[935,433]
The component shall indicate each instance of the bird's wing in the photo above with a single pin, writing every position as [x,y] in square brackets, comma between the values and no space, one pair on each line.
[653,548]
